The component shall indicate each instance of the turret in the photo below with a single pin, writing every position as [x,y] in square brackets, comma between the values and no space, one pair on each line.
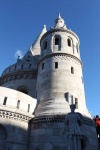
[60,79]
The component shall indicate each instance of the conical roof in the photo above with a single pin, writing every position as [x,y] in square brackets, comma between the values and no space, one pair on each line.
[35,48]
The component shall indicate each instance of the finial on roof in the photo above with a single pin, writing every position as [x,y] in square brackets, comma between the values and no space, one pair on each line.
[59,16]
[59,22]
[44,26]
[18,57]
[44,29]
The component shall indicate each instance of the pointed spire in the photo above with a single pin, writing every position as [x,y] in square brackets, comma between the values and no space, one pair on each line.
[59,17]
[35,48]
[44,29]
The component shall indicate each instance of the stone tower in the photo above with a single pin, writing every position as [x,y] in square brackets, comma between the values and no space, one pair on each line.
[42,98]
[60,79]
[59,85]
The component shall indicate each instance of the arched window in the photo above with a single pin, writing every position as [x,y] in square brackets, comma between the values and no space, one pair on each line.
[23,90]
[69,42]
[56,41]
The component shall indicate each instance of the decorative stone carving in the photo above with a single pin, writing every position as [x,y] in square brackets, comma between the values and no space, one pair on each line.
[15,116]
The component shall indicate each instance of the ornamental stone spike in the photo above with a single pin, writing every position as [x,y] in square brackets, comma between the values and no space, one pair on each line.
[60,23]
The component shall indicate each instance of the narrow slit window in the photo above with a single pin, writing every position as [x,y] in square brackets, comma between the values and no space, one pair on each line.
[29,66]
[28,107]
[15,67]
[72,99]
[76,103]
[22,67]
[45,45]
[69,42]
[18,104]
[56,65]
[42,66]
[77,48]
[56,41]
[72,70]
[5,101]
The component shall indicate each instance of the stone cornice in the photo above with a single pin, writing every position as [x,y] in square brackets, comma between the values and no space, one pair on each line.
[14,116]
[19,72]
[18,75]
[59,54]
[59,118]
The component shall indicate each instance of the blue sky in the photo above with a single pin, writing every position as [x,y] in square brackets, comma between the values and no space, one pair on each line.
[22,20]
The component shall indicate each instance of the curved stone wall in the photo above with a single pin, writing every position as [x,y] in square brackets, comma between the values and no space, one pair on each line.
[60,78]
[20,79]
[17,102]
[21,74]
[16,111]
[68,43]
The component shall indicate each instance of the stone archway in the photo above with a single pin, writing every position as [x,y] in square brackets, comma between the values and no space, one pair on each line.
[23,90]
[3,137]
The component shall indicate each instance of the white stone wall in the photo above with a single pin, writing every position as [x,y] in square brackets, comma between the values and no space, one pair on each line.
[54,83]
[12,98]
[64,48]
[15,120]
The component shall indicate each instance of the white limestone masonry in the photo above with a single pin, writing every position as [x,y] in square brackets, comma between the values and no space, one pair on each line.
[37,92]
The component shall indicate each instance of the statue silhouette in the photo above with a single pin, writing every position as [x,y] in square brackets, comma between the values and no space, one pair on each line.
[73,122]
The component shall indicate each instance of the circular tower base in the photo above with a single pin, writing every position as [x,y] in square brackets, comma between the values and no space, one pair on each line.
[49,133]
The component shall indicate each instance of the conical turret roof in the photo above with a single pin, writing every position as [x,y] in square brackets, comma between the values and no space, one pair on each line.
[35,48]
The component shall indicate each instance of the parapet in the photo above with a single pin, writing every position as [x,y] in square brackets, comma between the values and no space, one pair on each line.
[17,102]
